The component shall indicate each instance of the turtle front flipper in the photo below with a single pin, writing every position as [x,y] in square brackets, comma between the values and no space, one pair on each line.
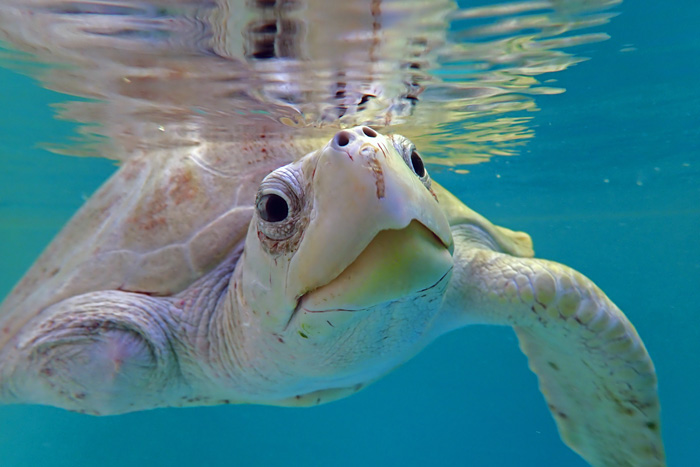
[593,368]
[99,353]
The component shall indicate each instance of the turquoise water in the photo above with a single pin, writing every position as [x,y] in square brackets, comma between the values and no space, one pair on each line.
[610,185]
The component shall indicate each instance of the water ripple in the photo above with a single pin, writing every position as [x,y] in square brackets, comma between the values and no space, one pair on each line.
[164,73]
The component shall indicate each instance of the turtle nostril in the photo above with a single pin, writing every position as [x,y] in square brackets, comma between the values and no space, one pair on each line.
[342,138]
[369,132]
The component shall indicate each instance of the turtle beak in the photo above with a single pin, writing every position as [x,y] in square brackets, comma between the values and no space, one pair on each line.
[376,233]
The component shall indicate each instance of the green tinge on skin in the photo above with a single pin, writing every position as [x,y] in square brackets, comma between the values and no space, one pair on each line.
[395,264]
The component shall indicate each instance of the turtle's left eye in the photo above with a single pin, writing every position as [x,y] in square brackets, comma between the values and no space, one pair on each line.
[412,158]
[417,164]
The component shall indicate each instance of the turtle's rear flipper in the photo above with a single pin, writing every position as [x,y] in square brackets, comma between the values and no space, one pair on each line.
[98,353]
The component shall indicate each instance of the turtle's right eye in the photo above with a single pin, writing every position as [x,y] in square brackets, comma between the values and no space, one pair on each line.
[272,207]
[279,203]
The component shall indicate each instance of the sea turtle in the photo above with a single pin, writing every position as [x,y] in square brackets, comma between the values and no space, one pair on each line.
[286,267]
[329,272]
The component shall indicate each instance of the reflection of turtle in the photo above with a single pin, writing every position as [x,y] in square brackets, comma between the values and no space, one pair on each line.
[353,260]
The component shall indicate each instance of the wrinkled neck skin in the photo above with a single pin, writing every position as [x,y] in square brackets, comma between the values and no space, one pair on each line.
[232,354]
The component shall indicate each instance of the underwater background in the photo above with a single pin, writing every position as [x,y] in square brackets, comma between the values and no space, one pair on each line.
[609,185]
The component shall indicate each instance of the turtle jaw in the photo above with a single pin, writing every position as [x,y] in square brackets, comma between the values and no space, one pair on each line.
[396,263]
[376,313]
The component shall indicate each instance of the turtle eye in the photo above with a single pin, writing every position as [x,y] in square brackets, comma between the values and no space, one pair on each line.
[279,202]
[273,208]
[276,214]
[417,164]
[412,158]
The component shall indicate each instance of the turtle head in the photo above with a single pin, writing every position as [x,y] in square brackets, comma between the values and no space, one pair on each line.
[347,257]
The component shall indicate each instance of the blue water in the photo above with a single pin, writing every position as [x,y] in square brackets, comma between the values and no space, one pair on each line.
[610,185]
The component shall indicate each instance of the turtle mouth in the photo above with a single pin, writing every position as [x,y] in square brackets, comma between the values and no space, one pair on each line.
[395,264]
[300,301]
